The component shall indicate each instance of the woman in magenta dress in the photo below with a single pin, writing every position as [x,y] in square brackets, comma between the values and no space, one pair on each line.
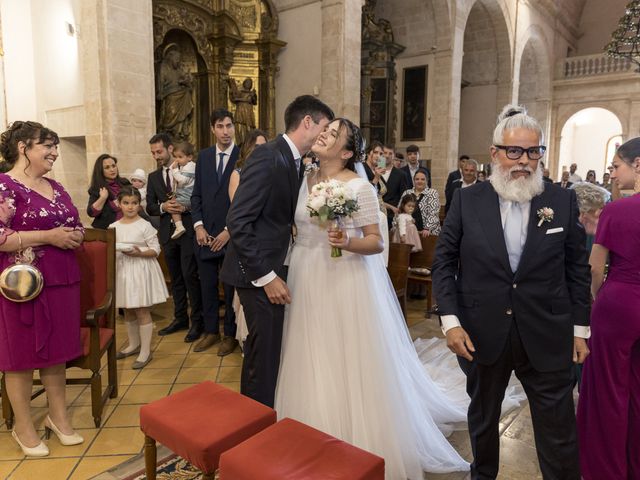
[609,405]
[43,333]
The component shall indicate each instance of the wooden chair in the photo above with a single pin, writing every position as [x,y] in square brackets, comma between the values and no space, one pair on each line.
[423,260]
[97,324]
[398,268]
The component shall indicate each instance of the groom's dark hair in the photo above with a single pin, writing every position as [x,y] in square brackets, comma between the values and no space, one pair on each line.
[301,107]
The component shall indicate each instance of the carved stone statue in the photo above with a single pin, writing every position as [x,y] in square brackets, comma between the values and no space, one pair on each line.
[244,100]
[175,94]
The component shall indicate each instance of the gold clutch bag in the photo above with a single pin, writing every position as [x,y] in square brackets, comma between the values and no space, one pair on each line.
[21,281]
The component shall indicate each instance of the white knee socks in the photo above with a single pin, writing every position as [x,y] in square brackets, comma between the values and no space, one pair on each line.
[146,332]
[133,332]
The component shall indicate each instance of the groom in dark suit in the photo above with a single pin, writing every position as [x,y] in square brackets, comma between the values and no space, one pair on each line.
[522,303]
[260,222]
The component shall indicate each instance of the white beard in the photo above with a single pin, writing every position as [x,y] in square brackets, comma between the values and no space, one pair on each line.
[519,190]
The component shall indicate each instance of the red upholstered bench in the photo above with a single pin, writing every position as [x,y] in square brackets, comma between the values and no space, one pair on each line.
[290,450]
[200,423]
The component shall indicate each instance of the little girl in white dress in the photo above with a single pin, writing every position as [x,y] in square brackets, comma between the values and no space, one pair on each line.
[406,231]
[139,280]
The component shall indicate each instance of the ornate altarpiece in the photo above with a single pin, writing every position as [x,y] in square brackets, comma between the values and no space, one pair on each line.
[378,77]
[219,40]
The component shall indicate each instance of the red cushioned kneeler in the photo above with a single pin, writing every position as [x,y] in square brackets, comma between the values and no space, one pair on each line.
[201,422]
[290,450]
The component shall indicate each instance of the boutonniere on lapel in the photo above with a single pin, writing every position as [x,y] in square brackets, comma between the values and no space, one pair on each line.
[545,214]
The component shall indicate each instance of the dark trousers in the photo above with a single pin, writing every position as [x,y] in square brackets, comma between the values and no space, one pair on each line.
[208,270]
[550,396]
[262,347]
[184,279]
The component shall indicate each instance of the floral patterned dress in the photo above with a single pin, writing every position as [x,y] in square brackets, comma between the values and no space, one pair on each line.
[46,330]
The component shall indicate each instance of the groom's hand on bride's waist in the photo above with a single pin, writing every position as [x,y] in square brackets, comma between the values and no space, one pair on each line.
[277,291]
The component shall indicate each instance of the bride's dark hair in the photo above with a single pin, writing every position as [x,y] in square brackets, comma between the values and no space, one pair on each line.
[354,142]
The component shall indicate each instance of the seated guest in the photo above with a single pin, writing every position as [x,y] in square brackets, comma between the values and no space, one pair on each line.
[564,182]
[591,176]
[413,165]
[106,184]
[469,177]
[427,215]
[395,183]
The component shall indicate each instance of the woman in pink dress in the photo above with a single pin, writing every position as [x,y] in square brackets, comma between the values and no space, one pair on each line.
[609,406]
[44,333]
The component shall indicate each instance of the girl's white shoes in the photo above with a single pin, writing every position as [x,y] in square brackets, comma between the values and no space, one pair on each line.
[40,450]
[67,440]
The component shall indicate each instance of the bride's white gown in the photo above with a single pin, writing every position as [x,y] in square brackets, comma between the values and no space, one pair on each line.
[349,367]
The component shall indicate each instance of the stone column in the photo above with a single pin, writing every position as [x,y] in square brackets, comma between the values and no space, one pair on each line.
[116,50]
[341,45]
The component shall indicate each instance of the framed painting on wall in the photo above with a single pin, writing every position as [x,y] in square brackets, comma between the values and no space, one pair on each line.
[414,103]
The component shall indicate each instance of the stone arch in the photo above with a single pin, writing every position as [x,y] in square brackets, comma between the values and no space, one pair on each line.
[573,138]
[485,73]
[533,74]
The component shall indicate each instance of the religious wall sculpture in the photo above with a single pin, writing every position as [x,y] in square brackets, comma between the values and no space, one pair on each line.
[175,93]
[244,99]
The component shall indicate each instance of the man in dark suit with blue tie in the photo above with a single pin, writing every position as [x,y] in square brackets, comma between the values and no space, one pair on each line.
[523,304]
[210,204]
[260,222]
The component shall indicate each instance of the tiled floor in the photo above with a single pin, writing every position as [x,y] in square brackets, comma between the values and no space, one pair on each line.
[175,367]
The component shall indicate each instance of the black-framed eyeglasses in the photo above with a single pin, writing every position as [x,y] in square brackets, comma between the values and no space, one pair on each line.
[514,152]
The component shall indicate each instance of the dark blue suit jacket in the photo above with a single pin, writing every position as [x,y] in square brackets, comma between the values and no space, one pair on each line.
[210,198]
[546,296]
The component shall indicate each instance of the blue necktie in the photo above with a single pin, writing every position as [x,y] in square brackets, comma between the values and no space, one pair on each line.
[220,165]
[513,234]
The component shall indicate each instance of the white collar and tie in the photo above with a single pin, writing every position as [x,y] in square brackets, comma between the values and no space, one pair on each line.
[222,159]
[515,223]
[297,158]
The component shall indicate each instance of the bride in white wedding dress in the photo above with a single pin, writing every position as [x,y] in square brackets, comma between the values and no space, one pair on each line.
[349,367]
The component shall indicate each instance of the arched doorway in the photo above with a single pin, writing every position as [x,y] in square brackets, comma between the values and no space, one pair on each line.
[589,139]
[486,77]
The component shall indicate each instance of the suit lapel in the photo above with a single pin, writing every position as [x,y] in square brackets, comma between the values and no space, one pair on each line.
[535,233]
[292,173]
[488,211]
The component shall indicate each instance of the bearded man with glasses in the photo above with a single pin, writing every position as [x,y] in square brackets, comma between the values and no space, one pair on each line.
[521,306]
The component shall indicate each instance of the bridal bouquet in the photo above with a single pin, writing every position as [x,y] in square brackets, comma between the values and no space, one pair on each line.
[331,201]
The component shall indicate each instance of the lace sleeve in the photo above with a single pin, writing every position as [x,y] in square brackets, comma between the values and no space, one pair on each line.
[369,207]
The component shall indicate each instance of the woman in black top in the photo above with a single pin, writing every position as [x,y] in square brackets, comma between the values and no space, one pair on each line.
[106,184]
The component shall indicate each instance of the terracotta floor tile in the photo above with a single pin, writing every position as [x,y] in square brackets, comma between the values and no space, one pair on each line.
[117,441]
[56,449]
[44,468]
[173,347]
[155,376]
[235,386]
[202,360]
[196,375]
[124,416]
[164,360]
[233,359]
[6,467]
[144,393]
[9,449]
[178,387]
[82,416]
[90,466]
[229,374]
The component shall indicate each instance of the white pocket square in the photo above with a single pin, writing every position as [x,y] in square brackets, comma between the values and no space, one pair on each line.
[554,230]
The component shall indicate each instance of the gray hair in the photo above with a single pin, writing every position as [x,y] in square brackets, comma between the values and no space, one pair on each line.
[590,197]
[472,161]
[515,116]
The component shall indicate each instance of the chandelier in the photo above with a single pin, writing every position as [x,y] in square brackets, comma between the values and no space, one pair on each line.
[625,40]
